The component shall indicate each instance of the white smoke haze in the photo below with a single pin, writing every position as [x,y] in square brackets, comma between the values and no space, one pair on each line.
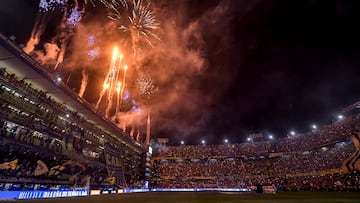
[131,121]
[49,54]
[30,45]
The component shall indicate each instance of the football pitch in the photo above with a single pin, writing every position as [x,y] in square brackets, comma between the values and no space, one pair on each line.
[202,197]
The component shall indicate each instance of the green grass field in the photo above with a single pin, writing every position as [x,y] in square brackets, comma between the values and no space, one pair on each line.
[202,197]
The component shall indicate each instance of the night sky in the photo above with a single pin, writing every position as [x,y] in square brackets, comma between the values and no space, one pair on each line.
[248,66]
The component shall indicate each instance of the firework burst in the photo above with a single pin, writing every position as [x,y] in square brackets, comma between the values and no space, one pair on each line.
[140,23]
[115,6]
[145,86]
[74,17]
[93,51]
[51,5]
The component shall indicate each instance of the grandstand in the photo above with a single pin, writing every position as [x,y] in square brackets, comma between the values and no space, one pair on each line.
[51,138]
[308,162]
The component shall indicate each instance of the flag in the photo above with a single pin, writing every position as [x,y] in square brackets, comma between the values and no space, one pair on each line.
[86,181]
[9,165]
[73,178]
[41,168]
[56,170]
[355,138]
[352,163]
[111,180]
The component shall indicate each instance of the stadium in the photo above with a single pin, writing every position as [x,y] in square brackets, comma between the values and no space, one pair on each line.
[56,146]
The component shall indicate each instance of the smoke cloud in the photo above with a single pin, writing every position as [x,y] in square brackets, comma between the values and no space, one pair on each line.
[178,64]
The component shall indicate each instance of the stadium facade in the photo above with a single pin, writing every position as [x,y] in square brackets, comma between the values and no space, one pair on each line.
[51,138]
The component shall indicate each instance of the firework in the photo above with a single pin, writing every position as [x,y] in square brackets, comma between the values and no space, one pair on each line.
[135,107]
[91,40]
[74,17]
[145,86]
[84,82]
[51,5]
[114,5]
[123,82]
[112,85]
[118,90]
[37,31]
[141,24]
[93,52]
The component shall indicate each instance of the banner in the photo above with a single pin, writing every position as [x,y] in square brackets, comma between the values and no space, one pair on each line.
[8,195]
[111,180]
[114,166]
[9,165]
[276,154]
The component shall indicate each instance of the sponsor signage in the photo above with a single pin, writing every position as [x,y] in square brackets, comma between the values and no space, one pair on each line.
[42,194]
[95,192]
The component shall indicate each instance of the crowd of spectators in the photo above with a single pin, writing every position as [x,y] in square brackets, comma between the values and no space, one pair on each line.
[48,115]
[60,171]
[31,108]
[335,132]
[323,159]
[29,137]
[30,117]
[26,162]
[313,170]
[309,161]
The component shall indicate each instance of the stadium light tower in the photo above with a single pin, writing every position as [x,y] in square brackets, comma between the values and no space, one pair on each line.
[182,142]
[271,137]
[340,117]
[226,141]
[292,132]
[203,142]
[314,127]
[248,139]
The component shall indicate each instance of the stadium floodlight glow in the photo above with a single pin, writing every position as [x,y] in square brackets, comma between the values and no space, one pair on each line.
[203,142]
[249,139]
[314,126]
[271,137]
[340,117]
[58,79]
[292,132]
[67,115]
[182,142]
[226,141]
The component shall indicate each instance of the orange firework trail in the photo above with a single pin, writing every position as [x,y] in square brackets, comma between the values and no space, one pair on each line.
[112,85]
[123,82]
